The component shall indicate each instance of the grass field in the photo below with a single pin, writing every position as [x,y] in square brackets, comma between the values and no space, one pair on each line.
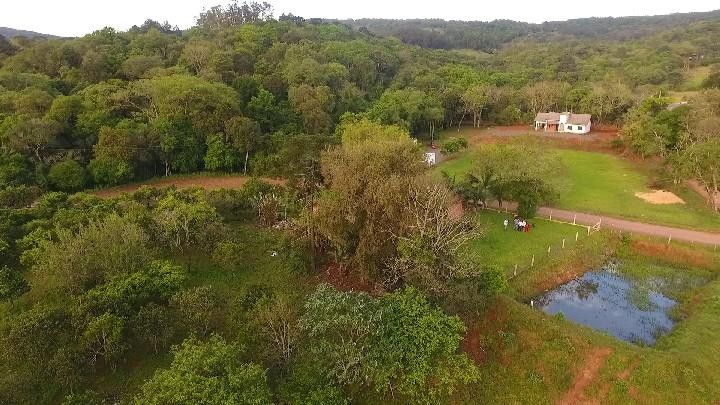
[605,184]
[506,248]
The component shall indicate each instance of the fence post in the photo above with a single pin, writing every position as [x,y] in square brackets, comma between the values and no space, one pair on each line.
[563,243]
[551,215]
[588,231]
[548,249]
[574,219]
[515,272]
[577,235]
[532,263]
[669,239]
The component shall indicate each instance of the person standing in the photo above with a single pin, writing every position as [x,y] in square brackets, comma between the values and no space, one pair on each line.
[505,223]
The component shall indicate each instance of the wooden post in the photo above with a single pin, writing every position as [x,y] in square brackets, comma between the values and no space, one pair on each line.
[515,272]
[532,263]
[577,235]
[551,215]
[548,249]
[563,243]
[669,239]
[588,231]
[575,219]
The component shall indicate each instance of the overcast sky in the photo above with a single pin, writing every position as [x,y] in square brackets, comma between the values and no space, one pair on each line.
[78,17]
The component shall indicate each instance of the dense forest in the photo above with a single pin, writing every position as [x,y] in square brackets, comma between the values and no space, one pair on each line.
[149,297]
[492,35]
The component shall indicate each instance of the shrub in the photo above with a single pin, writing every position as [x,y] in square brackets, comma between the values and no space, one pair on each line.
[18,196]
[108,171]
[68,175]
[453,145]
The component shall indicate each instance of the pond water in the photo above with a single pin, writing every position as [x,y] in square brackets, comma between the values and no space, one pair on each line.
[606,301]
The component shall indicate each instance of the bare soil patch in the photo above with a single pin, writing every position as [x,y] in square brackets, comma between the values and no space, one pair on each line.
[660,197]
[206,182]
[585,376]
[471,345]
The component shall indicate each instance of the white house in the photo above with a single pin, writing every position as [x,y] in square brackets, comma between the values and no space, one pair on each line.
[563,122]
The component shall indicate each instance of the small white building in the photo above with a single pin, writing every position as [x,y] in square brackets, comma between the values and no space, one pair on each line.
[563,122]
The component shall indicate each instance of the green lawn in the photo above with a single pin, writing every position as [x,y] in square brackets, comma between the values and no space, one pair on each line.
[606,184]
[506,248]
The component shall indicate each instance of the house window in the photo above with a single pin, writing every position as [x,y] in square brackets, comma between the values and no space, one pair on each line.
[569,127]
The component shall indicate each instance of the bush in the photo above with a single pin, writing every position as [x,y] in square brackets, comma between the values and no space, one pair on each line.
[18,196]
[453,145]
[68,175]
[108,171]
[228,255]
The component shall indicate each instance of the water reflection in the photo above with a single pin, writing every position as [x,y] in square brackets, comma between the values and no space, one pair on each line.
[605,301]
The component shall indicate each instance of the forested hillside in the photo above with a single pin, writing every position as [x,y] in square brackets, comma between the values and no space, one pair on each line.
[12,32]
[194,296]
[239,94]
[491,36]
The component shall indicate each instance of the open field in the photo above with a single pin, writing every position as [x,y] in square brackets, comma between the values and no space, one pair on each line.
[602,183]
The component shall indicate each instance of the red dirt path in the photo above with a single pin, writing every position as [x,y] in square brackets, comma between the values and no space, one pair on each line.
[585,377]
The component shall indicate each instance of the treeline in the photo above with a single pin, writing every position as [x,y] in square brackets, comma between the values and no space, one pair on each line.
[492,35]
[242,91]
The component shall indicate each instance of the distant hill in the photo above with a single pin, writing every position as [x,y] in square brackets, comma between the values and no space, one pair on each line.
[12,32]
[491,35]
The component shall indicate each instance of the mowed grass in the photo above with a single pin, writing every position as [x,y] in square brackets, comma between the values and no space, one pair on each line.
[506,248]
[605,184]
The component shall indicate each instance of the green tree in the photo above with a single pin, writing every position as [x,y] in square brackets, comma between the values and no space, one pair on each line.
[184,221]
[154,325]
[220,156]
[103,338]
[352,130]
[107,171]
[12,284]
[198,308]
[243,133]
[67,175]
[208,372]
[99,252]
[365,202]
[398,346]
[502,171]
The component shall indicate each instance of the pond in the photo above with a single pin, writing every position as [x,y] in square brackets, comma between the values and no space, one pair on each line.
[606,301]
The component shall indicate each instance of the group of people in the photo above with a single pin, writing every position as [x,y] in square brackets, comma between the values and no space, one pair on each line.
[519,224]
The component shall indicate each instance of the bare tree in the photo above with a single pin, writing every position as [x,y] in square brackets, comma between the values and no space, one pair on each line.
[435,233]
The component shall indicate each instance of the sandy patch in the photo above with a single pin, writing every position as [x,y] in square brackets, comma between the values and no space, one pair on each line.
[660,197]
